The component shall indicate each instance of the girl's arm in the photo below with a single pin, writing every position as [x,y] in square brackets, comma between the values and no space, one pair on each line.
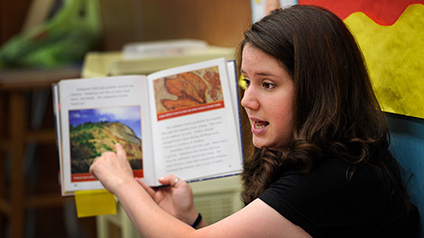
[255,220]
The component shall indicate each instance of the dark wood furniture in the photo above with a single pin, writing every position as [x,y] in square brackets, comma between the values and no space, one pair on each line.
[15,134]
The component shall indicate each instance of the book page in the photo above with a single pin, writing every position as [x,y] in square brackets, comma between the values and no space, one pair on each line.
[196,133]
[96,114]
[235,98]
[57,120]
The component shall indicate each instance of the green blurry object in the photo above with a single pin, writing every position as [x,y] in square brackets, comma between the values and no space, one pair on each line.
[62,41]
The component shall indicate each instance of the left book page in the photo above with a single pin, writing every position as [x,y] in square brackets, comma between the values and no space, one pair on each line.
[91,116]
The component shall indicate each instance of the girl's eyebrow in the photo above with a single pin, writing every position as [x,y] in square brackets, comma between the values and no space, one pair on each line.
[260,73]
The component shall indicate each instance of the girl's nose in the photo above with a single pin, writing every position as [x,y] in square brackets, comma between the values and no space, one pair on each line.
[249,100]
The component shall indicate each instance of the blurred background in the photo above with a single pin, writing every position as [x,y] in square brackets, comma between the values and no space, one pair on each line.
[44,41]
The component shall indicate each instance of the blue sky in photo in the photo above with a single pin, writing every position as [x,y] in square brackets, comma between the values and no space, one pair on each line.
[129,116]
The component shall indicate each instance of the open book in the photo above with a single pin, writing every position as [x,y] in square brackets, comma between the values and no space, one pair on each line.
[183,121]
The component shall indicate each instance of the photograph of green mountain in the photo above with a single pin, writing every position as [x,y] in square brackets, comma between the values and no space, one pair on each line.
[94,131]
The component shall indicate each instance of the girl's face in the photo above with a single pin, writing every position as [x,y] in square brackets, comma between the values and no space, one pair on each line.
[268,99]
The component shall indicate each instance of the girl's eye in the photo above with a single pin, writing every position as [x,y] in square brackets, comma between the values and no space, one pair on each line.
[267,85]
[247,82]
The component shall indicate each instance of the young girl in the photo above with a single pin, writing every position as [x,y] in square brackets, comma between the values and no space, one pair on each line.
[321,166]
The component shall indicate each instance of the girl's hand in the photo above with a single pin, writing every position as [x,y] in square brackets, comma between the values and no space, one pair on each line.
[112,169]
[175,197]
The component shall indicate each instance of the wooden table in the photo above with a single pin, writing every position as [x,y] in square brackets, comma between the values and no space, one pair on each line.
[13,87]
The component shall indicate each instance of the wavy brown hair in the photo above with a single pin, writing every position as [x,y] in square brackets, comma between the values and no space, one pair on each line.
[335,109]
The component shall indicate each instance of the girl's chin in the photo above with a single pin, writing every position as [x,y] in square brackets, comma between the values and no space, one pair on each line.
[260,144]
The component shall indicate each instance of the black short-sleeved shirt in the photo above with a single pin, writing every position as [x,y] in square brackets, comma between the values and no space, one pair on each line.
[325,204]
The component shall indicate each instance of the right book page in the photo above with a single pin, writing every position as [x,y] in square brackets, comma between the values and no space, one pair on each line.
[194,121]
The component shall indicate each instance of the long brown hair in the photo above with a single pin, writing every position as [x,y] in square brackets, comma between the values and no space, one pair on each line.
[335,109]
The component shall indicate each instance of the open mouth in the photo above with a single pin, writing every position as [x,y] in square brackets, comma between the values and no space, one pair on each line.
[260,124]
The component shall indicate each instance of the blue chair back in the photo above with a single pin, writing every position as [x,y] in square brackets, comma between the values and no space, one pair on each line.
[407,136]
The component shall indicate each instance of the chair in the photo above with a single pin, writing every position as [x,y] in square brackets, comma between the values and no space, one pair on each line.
[407,136]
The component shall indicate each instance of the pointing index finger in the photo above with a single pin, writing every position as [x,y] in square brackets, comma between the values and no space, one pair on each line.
[120,152]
